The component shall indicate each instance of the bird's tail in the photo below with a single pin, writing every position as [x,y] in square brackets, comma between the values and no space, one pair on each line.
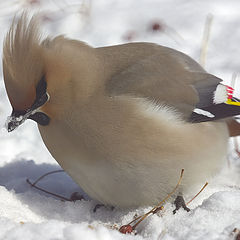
[224,94]
[223,105]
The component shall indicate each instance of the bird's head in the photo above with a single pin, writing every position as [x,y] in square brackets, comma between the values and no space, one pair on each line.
[39,74]
[24,73]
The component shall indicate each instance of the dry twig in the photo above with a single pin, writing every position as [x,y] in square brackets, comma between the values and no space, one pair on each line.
[205,39]
[128,228]
[74,196]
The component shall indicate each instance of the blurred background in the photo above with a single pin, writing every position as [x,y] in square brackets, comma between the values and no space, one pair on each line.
[177,24]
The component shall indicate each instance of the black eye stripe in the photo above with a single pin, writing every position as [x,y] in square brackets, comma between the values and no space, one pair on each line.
[41,87]
[40,101]
[41,98]
[41,93]
[18,117]
[17,113]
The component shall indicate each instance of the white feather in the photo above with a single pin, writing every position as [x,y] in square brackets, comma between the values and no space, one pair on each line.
[220,95]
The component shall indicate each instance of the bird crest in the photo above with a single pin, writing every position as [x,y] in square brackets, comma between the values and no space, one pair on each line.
[22,61]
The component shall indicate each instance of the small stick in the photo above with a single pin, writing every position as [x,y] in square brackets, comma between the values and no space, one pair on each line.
[197,193]
[43,190]
[233,80]
[205,39]
[159,205]
[43,176]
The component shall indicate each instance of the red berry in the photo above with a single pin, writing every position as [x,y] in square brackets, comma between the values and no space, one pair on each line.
[126,229]
[157,26]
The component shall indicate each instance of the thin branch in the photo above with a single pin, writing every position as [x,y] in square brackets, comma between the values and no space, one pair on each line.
[205,39]
[154,210]
[205,185]
[43,176]
[43,190]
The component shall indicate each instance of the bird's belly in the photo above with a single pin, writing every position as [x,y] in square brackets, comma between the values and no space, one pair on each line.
[132,186]
[134,182]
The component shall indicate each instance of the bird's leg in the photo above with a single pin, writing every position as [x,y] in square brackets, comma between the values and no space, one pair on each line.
[180,202]
[99,205]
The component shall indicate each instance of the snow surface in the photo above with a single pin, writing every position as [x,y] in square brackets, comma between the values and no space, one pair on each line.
[26,213]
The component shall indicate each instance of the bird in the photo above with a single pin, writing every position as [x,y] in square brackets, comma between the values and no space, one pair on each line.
[121,120]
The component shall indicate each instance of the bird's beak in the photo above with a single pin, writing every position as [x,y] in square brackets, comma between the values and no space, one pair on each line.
[19,117]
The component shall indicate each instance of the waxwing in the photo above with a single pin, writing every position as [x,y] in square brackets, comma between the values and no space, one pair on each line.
[123,120]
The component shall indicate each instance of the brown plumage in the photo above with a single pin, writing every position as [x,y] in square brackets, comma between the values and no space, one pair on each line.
[115,118]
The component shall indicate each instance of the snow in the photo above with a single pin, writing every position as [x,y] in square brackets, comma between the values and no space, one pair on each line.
[26,213]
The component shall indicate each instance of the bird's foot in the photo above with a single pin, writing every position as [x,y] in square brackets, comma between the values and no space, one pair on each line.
[180,203]
[97,206]
[76,196]
[128,228]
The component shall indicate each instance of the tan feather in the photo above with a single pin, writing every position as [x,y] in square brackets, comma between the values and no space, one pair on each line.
[22,61]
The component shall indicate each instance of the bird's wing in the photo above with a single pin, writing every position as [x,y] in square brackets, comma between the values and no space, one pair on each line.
[168,77]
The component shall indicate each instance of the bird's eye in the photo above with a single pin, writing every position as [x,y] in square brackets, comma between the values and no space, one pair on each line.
[41,118]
